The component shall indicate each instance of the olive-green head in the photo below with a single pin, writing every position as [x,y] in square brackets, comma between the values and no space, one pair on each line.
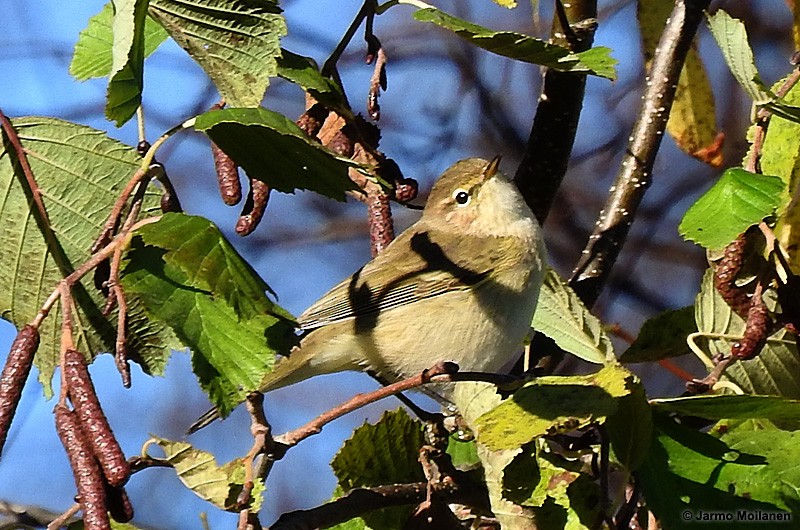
[472,197]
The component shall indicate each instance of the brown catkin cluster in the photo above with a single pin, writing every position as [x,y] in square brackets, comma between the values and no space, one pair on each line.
[97,460]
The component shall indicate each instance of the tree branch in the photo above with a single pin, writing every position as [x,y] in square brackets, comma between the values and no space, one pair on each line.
[634,176]
[547,152]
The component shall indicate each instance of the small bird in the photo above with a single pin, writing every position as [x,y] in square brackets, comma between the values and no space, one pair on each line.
[460,285]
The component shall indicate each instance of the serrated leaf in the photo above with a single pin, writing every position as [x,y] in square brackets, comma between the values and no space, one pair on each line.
[662,337]
[690,472]
[562,316]
[126,81]
[775,371]
[199,471]
[716,407]
[270,147]
[731,37]
[737,201]
[93,56]
[780,155]
[381,454]
[692,120]
[630,427]
[190,278]
[537,479]
[80,172]
[304,72]
[596,61]
[554,404]
[235,43]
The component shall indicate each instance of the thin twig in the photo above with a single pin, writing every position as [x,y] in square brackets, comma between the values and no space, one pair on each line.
[438,373]
[634,176]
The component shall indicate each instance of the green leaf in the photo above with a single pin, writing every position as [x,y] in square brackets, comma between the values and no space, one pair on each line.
[126,81]
[191,279]
[731,37]
[80,172]
[270,147]
[509,4]
[463,453]
[692,472]
[199,471]
[716,407]
[93,56]
[304,72]
[780,155]
[539,478]
[382,454]
[554,404]
[630,427]
[737,201]
[662,337]
[562,316]
[597,61]
[235,43]
[775,371]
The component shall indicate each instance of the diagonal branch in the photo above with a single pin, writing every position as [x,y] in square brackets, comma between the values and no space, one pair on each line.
[635,173]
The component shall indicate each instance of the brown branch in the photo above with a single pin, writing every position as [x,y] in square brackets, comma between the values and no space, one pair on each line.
[547,152]
[362,500]
[440,373]
[634,176]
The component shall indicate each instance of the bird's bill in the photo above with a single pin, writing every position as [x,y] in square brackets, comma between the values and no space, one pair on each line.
[491,168]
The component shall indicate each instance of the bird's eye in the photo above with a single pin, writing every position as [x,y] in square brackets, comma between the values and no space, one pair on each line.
[462,197]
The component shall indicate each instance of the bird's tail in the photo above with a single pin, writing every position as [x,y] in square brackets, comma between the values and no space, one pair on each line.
[288,371]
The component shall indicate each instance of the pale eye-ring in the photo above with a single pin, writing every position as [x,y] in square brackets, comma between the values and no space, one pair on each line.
[462,197]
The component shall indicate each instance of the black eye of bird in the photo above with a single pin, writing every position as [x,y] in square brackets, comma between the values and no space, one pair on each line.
[461,197]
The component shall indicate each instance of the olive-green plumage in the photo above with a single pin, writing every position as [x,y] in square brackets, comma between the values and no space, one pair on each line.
[459,285]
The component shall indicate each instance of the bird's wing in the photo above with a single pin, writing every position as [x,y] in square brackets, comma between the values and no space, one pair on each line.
[413,267]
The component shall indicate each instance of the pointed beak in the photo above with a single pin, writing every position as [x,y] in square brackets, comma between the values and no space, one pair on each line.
[491,168]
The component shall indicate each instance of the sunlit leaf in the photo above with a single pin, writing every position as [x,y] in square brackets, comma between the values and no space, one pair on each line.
[236,43]
[80,172]
[554,404]
[199,471]
[93,55]
[190,278]
[731,38]
[270,147]
[126,80]
[738,200]
[688,473]
[775,371]
[562,316]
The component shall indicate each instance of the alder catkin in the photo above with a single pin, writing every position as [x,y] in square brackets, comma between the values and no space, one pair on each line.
[85,468]
[118,503]
[92,419]
[725,273]
[230,189]
[254,207]
[15,373]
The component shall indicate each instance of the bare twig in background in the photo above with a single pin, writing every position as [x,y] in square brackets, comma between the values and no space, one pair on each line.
[634,176]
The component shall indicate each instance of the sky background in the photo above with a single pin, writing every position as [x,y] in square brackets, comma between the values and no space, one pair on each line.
[431,118]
